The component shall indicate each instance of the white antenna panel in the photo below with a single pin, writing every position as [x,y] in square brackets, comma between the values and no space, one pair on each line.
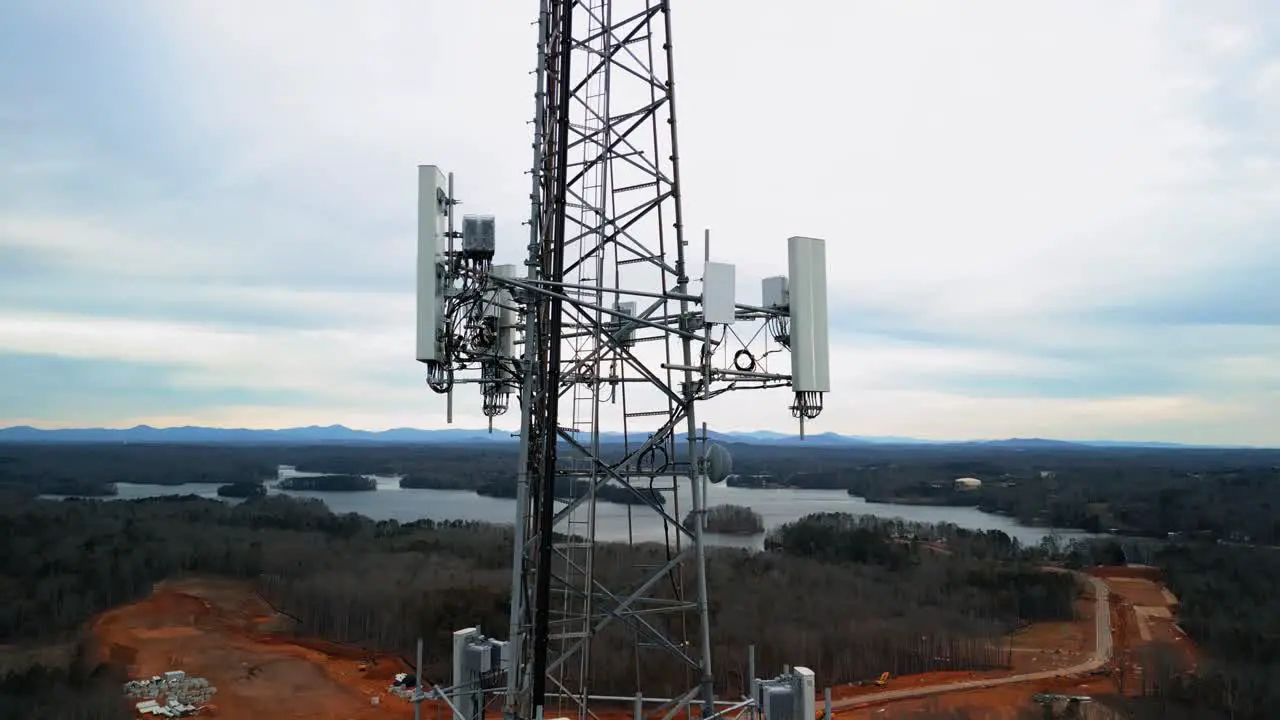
[807,271]
[504,309]
[773,292]
[719,293]
[433,228]
[460,640]
[626,336]
[805,690]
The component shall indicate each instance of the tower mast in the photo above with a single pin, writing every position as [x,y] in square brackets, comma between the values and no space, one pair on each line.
[619,334]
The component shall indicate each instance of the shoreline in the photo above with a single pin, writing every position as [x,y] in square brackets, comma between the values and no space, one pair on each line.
[778,506]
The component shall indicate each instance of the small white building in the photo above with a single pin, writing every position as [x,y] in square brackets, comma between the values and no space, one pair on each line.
[966,484]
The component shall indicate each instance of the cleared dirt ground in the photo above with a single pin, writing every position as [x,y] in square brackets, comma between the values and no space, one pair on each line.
[998,703]
[1037,648]
[1142,612]
[222,631]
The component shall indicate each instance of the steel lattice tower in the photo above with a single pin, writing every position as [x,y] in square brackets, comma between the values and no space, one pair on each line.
[614,338]
[606,216]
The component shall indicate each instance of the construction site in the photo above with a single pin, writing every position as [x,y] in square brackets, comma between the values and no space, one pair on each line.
[222,631]
[245,661]
[173,694]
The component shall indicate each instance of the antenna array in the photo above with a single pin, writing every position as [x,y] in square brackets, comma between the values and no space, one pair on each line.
[607,328]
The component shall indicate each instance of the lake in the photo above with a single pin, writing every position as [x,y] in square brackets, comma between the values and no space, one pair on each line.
[620,522]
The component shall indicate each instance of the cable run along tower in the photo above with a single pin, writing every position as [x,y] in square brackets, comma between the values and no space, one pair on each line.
[617,326]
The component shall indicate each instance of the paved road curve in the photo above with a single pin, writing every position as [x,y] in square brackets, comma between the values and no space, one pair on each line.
[1101,655]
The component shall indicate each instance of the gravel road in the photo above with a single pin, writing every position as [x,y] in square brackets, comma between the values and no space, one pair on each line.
[1101,655]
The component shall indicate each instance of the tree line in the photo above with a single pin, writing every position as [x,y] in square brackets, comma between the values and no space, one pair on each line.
[1228,604]
[731,520]
[1227,494]
[881,584]
[349,579]
[1216,493]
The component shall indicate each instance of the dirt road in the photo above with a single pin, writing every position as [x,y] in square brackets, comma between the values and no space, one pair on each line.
[1101,655]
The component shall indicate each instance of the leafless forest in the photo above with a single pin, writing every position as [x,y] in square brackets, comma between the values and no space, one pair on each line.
[351,580]
[849,597]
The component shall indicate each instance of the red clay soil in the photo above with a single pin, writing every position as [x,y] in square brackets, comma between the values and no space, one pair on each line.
[1060,645]
[222,631]
[1143,612]
[997,703]
[1140,572]
[1038,647]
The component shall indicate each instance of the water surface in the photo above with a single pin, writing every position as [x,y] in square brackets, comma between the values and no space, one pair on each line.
[614,521]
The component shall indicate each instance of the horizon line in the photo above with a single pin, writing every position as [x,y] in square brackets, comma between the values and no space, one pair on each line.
[884,439]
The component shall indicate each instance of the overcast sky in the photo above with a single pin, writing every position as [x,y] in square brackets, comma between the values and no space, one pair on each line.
[1051,218]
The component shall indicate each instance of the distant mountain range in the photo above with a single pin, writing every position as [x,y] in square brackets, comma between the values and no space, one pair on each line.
[332,434]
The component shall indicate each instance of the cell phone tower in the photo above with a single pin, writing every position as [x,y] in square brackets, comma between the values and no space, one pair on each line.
[620,336]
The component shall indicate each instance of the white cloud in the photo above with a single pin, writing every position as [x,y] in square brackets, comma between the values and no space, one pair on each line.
[975,148]
[93,244]
[1001,173]
[333,366]
[866,363]
[346,376]
[1226,40]
[1266,85]
[943,415]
